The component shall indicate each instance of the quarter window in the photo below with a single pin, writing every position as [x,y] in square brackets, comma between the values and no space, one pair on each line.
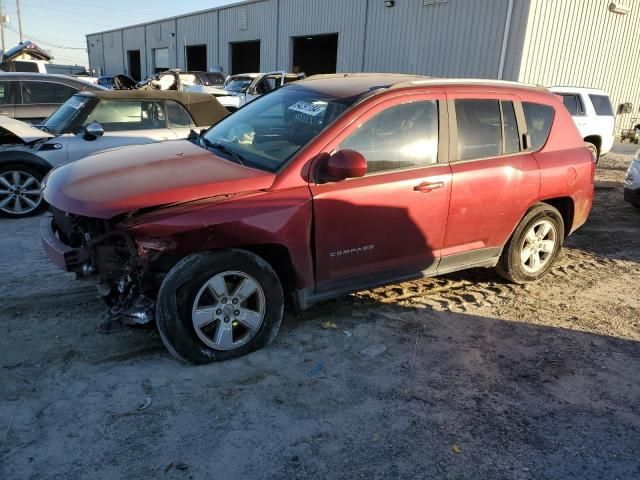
[117,115]
[510,128]
[601,105]
[573,104]
[400,137]
[539,119]
[45,92]
[4,93]
[177,115]
[479,128]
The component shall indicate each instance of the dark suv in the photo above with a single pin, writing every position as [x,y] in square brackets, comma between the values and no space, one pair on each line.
[32,97]
[326,186]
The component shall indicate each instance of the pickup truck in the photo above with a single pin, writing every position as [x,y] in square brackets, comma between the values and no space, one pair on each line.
[238,90]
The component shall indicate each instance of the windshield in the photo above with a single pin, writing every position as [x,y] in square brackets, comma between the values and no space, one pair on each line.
[237,84]
[214,78]
[268,131]
[71,113]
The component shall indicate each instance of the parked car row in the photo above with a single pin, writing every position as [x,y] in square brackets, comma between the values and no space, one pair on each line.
[86,123]
[325,186]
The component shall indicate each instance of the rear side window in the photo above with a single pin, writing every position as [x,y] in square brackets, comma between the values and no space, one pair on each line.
[601,105]
[573,104]
[45,92]
[539,119]
[400,137]
[479,129]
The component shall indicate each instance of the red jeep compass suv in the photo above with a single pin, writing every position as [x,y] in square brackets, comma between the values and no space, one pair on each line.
[326,186]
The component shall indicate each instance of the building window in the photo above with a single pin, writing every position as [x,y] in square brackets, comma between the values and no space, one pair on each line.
[160,59]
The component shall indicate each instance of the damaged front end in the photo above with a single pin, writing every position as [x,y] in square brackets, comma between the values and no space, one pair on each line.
[128,273]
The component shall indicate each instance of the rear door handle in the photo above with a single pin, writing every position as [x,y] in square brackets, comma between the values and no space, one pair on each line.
[426,187]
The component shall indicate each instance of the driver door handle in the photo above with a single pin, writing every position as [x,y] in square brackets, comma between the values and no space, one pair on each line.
[426,187]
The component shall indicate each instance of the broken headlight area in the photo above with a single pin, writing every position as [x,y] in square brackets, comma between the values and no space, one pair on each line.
[128,270]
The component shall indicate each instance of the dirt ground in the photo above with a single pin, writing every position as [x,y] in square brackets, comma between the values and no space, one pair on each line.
[461,376]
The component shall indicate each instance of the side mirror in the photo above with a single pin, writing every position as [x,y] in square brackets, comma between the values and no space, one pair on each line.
[346,164]
[93,131]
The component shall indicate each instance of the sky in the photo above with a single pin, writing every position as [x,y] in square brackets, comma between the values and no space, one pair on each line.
[60,26]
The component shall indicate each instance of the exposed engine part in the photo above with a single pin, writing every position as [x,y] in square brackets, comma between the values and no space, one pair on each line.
[88,269]
[127,305]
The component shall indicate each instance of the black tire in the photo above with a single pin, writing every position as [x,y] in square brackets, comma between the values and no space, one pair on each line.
[35,173]
[594,151]
[179,291]
[510,265]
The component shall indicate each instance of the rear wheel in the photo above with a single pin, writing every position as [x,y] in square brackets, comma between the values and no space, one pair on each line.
[20,194]
[217,306]
[530,252]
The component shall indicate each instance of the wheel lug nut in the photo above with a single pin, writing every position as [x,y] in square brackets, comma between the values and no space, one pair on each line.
[226,319]
[224,300]
[235,301]
[236,313]
[218,312]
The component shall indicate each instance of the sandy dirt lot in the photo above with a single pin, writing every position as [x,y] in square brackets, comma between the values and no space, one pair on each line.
[462,376]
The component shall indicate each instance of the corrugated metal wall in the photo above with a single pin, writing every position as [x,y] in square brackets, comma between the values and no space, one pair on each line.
[161,35]
[200,29]
[112,43]
[250,21]
[457,38]
[133,38]
[95,54]
[582,43]
[311,17]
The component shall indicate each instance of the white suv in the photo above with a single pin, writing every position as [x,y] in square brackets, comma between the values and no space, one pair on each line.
[591,111]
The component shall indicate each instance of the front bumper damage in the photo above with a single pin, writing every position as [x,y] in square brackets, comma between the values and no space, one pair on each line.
[92,248]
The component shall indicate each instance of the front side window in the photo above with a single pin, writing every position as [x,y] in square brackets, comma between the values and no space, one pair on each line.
[267,132]
[177,115]
[119,115]
[601,105]
[539,119]
[479,128]
[400,137]
[45,92]
[573,104]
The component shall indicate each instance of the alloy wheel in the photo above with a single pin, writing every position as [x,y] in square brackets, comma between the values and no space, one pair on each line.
[19,192]
[538,246]
[228,310]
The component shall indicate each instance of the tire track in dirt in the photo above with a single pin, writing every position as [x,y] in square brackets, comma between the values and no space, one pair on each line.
[480,288]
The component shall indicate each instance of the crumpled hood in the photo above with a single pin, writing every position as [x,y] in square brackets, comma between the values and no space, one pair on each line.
[118,181]
[22,130]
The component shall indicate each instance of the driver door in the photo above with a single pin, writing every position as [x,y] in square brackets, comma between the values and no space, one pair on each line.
[389,224]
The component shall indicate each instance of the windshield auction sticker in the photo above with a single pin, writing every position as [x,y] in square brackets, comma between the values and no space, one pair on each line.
[308,108]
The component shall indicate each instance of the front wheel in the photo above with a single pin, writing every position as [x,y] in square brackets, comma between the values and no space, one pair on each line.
[217,306]
[530,252]
[20,194]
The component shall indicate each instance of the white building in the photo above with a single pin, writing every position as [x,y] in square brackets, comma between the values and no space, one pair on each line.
[550,42]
